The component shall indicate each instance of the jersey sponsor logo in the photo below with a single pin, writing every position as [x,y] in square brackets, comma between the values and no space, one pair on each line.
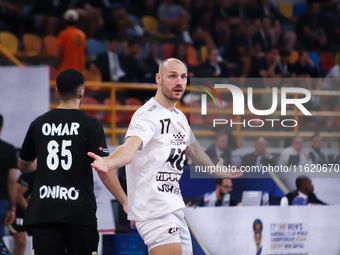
[164,176]
[58,192]
[179,139]
[174,230]
[177,158]
[137,126]
[180,124]
[152,108]
[105,150]
[61,129]
[169,189]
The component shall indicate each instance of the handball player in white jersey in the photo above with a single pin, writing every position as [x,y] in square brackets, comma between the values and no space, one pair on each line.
[155,148]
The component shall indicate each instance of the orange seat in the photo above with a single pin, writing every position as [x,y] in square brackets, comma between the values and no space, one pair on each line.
[50,45]
[32,44]
[91,101]
[192,56]
[53,72]
[294,56]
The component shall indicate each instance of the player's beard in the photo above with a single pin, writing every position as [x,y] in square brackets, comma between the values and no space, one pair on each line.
[168,94]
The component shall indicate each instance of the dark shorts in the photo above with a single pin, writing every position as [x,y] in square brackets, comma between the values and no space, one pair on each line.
[17,225]
[54,239]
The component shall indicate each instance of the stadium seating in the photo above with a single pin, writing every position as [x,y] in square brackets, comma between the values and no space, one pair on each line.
[50,45]
[326,60]
[168,50]
[9,41]
[87,100]
[294,56]
[93,47]
[192,56]
[315,58]
[299,9]
[107,118]
[286,9]
[32,44]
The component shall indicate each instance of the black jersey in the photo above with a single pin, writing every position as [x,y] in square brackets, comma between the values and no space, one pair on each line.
[63,187]
[8,160]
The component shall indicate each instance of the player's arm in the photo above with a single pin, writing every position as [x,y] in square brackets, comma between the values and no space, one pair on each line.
[200,158]
[12,190]
[25,166]
[21,201]
[112,183]
[122,156]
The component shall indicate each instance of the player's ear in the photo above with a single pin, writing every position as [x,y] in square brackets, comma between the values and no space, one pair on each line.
[56,90]
[81,93]
[158,79]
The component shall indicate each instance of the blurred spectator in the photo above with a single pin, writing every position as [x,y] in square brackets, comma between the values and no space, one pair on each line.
[71,44]
[134,64]
[294,155]
[239,12]
[260,156]
[309,30]
[305,190]
[50,11]
[120,21]
[220,149]
[110,63]
[241,49]
[12,19]
[332,82]
[212,67]
[17,229]
[304,67]
[8,186]
[91,11]
[329,16]
[267,9]
[268,66]
[152,62]
[286,68]
[335,158]
[221,195]
[316,154]
[263,37]
[173,18]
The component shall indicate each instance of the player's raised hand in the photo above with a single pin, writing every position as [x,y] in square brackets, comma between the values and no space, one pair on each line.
[99,164]
[229,172]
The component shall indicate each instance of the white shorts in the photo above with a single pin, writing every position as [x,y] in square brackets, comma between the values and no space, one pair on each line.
[169,228]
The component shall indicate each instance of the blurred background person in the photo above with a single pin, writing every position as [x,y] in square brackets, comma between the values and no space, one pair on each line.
[315,153]
[304,189]
[71,44]
[8,182]
[295,155]
[221,195]
[17,229]
[260,156]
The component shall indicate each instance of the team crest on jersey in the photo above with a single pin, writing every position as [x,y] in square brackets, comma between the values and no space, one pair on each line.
[178,139]
[180,124]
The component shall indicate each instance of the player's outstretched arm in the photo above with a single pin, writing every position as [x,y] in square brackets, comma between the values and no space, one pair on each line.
[122,156]
[200,158]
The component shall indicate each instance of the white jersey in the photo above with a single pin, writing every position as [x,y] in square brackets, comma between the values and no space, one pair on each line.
[153,175]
